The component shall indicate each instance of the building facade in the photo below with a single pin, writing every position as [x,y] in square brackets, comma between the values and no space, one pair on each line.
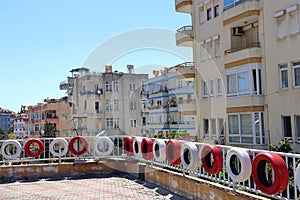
[169,103]
[107,101]
[6,118]
[245,54]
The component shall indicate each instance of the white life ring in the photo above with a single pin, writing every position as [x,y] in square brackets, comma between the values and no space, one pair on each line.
[245,162]
[136,145]
[59,141]
[159,150]
[107,146]
[189,155]
[16,144]
[297,177]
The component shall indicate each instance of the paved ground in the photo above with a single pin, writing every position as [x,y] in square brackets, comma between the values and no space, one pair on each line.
[83,188]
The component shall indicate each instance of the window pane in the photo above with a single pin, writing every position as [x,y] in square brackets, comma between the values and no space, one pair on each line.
[212,87]
[233,124]
[297,126]
[219,86]
[205,126]
[243,82]
[247,140]
[246,124]
[287,127]
[231,84]
[204,88]
[294,24]
[297,76]
[284,79]
[213,127]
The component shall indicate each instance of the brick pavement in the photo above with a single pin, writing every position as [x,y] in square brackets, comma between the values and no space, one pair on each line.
[83,187]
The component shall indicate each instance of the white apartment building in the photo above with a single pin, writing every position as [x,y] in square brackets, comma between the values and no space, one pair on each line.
[104,101]
[247,69]
[169,103]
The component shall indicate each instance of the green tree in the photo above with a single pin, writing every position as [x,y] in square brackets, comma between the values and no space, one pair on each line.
[2,134]
[49,131]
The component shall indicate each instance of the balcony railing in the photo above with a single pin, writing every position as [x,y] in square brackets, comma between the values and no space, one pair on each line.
[185,64]
[229,162]
[246,46]
[99,91]
[185,36]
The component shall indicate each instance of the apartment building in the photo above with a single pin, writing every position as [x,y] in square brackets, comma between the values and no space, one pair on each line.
[246,60]
[6,117]
[169,103]
[107,101]
[20,123]
[52,111]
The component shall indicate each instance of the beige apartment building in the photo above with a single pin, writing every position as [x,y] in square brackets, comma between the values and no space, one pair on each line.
[246,54]
[107,101]
[169,103]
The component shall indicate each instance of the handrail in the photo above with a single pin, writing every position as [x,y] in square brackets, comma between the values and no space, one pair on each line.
[185,28]
[246,46]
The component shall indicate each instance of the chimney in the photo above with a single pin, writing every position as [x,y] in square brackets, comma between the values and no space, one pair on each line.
[130,68]
[108,69]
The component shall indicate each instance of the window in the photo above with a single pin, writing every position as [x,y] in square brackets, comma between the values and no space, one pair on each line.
[231,84]
[201,15]
[209,49]
[246,128]
[112,123]
[179,84]
[216,10]
[283,73]
[296,74]
[221,126]
[212,87]
[97,109]
[133,123]
[217,52]
[294,23]
[36,127]
[297,126]
[189,98]
[243,82]
[132,87]
[205,127]
[108,105]
[208,14]
[286,126]
[281,27]
[213,127]
[203,53]
[219,87]
[204,89]
[132,105]
[108,86]
[85,105]
[116,104]
[115,86]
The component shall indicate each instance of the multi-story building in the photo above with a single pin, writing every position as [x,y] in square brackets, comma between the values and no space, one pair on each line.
[245,54]
[169,103]
[54,112]
[104,101]
[6,117]
[20,123]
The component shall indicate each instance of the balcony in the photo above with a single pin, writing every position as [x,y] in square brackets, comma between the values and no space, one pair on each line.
[241,10]
[184,6]
[64,85]
[248,51]
[241,47]
[185,36]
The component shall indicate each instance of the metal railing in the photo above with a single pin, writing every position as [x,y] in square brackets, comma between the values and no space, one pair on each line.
[246,46]
[199,172]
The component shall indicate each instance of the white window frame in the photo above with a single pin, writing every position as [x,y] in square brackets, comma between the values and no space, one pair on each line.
[133,123]
[115,86]
[132,87]
[283,127]
[219,87]
[204,89]
[283,68]
[132,105]
[116,104]
[202,15]
[212,87]
[108,105]
[295,65]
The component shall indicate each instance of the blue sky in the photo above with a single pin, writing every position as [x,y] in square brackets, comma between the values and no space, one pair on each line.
[40,41]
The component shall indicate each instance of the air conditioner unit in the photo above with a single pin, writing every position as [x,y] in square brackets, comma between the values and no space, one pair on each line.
[238,31]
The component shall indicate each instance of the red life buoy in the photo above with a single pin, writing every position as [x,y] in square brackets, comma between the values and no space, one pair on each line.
[173,149]
[206,153]
[281,174]
[78,152]
[147,148]
[128,148]
[29,143]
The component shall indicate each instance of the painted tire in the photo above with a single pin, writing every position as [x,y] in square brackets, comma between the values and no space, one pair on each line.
[30,142]
[57,141]
[244,161]
[15,144]
[136,145]
[189,155]
[173,148]
[78,152]
[206,153]
[105,141]
[147,148]
[297,177]
[128,146]
[281,175]
[159,150]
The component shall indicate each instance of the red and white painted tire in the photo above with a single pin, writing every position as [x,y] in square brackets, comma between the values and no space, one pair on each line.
[106,149]
[16,144]
[78,152]
[128,146]
[159,150]
[30,142]
[297,177]
[136,145]
[189,155]
[173,149]
[281,175]
[59,141]
[147,148]
[244,161]
[206,152]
